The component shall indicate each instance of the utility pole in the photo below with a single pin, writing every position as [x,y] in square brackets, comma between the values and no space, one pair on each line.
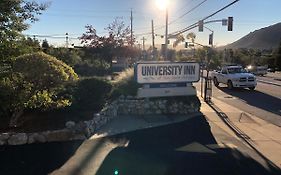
[153,37]
[166,36]
[66,40]
[143,43]
[131,27]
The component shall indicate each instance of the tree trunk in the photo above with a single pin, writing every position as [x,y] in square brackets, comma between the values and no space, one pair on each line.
[15,116]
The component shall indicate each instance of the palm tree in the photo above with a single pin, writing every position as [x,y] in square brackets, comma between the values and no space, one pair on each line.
[180,38]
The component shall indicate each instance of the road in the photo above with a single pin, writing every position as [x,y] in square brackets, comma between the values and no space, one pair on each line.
[264,102]
[183,148]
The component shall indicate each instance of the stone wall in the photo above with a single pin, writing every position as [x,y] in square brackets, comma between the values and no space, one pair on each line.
[121,106]
[169,105]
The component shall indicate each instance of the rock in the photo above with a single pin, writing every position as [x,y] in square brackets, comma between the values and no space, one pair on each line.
[129,97]
[3,138]
[162,106]
[3,142]
[78,137]
[58,135]
[70,124]
[80,127]
[146,105]
[97,115]
[158,112]
[18,139]
[103,121]
[97,119]
[114,112]
[122,97]
[36,138]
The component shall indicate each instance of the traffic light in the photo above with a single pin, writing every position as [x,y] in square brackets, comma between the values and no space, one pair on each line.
[211,39]
[200,26]
[186,44]
[230,24]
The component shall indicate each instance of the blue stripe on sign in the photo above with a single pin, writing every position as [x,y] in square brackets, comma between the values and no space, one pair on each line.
[167,85]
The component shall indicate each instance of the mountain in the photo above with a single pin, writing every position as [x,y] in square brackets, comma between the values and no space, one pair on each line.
[264,38]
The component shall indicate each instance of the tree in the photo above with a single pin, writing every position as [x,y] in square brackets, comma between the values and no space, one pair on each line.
[108,47]
[191,36]
[180,38]
[70,56]
[22,89]
[15,17]
[45,45]
[278,58]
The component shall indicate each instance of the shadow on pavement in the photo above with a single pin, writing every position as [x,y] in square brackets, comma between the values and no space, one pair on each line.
[35,158]
[182,148]
[269,103]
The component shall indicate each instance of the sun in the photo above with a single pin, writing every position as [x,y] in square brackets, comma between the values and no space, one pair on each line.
[162,4]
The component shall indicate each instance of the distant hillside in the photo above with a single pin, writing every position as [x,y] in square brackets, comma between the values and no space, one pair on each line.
[264,38]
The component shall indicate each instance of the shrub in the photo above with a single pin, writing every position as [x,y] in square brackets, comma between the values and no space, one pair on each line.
[93,68]
[125,84]
[90,94]
[36,81]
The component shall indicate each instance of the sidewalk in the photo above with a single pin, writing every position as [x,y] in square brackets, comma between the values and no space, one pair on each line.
[94,152]
[123,124]
[257,134]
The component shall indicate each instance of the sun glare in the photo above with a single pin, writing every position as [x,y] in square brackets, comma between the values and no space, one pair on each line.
[162,4]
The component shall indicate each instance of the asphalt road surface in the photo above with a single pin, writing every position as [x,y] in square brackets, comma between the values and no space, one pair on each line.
[264,102]
[181,148]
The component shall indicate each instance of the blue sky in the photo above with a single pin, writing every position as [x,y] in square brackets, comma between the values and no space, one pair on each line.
[72,15]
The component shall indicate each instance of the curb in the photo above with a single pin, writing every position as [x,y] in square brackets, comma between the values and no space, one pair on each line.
[268,82]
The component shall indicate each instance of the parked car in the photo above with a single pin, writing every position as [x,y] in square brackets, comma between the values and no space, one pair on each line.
[257,70]
[271,70]
[234,76]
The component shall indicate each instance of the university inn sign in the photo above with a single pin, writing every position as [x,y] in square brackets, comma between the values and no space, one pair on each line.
[161,79]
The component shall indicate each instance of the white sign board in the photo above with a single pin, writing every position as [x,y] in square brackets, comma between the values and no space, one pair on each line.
[167,72]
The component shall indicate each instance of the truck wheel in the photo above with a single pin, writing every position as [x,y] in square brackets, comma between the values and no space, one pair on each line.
[252,88]
[229,84]
[216,83]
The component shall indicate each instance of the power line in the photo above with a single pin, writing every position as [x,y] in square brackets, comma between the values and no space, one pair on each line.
[195,24]
[186,4]
[198,5]
[173,21]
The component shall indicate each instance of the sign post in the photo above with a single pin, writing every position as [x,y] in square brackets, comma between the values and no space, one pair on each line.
[166,78]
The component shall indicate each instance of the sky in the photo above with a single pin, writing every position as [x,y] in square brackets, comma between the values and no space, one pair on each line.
[71,16]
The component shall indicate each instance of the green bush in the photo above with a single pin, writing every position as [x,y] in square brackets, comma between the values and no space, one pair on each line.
[90,94]
[36,80]
[125,84]
[93,68]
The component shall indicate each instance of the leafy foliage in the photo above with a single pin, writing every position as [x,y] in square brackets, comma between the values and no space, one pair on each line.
[90,94]
[36,80]
[14,16]
[112,46]
[71,57]
[278,58]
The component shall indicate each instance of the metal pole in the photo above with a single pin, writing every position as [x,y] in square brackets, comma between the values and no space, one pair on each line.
[131,27]
[166,36]
[153,43]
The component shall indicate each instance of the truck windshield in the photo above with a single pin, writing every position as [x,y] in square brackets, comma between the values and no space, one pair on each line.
[236,70]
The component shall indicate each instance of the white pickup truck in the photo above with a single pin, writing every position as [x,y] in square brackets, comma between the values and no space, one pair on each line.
[234,76]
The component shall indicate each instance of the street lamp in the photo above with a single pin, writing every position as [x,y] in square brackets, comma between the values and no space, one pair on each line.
[163,5]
